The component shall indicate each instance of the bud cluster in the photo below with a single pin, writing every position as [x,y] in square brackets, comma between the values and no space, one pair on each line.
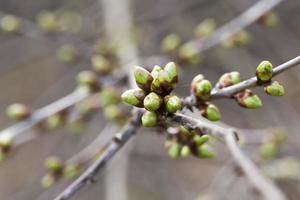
[154,92]
[183,143]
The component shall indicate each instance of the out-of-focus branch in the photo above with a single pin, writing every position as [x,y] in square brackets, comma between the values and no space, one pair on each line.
[266,187]
[227,92]
[247,18]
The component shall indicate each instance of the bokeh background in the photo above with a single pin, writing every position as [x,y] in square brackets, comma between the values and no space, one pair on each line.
[31,73]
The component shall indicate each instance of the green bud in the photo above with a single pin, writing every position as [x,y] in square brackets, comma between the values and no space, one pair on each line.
[152,101]
[149,119]
[199,140]
[205,28]
[67,53]
[172,103]
[242,38]
[134,97]
[143,78]
[48,180]
[162,83]
[47,21]
[197,79]
[54,164]
[185,151]
[274,89]
[189,53]
[270,19]
[174,151]
[264,71]
[229,79]
[170,43]
[172,71]
[205,151]
[268,150]
[18,111]
[71,171]
[203,89]
[54,121]
[155,71]
[108,96]
[100,64]
[112,112]
[86,78]
[211,112]
[6,142]
[248,100]
[10,24]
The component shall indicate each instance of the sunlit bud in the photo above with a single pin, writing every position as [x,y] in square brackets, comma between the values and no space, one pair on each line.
[268,150]
[202,90]
[205,28]
[48,180]
[172,71]
[155,71]
[67,53]
[199,140]
[134,97]
[18,111]
[229,79]
[274,89]
[143,78]
[47,21]
[185,151]
[152,101]
[10,24]
[55,121]
[248,100]
[86,78]
[211,112]
[174,150]
[189,53]
[54,164]
[264,71]
[270,19]
[71,171]
[6,142]
[172,103]
[170,43]
[149,119]
[205,151]
[100,64]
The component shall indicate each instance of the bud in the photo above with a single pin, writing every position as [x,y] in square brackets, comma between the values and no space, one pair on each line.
[10,24]
[172,103]
[86,78]
[152,101]
[205,28]
[270,19]
[71,171]
[109,95]
[54,164]
[100,64]
[268,150]
[274,89]
[155,71]
[162,83]
[205,151]
[47,21]
[54,121]
[211,112]
[134,97]
[47,181]
[242,38]
[197,79]
[170,43]
[174,150]
[67,53]
[248,100]
[229,79]
[185,151]
[18,111]
[202,90]
[112,112]
[199,140]
[6,142]
[149,119]
[189,53]
[172,71]
[264,71]
[143,78]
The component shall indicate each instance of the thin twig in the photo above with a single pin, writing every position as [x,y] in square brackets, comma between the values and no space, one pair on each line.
[247,18]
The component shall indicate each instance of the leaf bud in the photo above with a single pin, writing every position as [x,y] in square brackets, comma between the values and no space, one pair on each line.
[134,97]
[174,150]
[229,79]
[18,111]
[247,99]
[143,78]
[172,103]
[152,101]
[211,112]
[264,71]
[100,64]
[54,164]
[10,24]
[274,89]
[170,43]
[205,151]
[149,119]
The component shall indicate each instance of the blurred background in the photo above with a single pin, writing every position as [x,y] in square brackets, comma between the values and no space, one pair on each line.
[31,73]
